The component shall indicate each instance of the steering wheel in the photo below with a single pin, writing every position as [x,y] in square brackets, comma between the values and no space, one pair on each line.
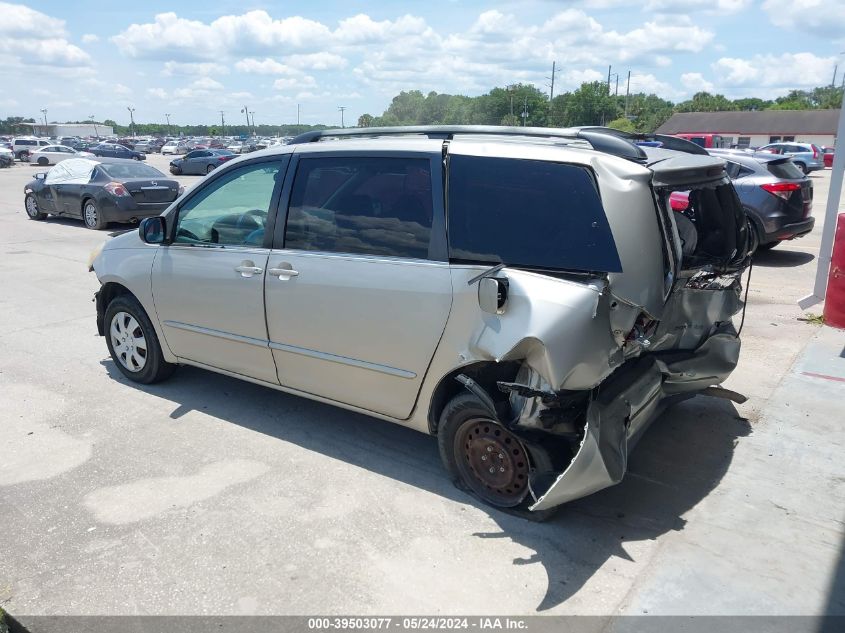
[186,233]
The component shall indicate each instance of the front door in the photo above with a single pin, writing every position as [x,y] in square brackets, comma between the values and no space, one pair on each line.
[208,283]
[358,297]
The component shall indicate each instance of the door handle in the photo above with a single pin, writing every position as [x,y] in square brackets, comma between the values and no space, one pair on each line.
[248,268]
[283,272]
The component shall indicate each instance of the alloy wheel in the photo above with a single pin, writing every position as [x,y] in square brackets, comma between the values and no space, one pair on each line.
[90,214]
[31,207]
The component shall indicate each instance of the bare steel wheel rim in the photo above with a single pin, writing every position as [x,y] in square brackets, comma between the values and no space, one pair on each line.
[493,462]
[90,214]
[31,207]
[128,341]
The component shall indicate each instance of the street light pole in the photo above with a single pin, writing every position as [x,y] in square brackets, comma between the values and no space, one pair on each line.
[44,112]
[167,116]
[222,123]
[254,132]
[94,121]
[131,120]
[342,109]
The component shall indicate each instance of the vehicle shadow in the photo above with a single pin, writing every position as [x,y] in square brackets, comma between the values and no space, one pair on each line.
[679,461]
[778,258]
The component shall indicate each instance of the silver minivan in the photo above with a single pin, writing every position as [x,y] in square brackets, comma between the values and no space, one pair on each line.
[526,295]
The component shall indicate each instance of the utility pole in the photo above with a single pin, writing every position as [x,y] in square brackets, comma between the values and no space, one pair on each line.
[44,112]
[552,79]
[608,80]
[297,114]
[94,121]
[342,109]
[245,110]
[525,111]
[616,94]
[167,116]
[222,123]
[627,93]
[254,131]
[833,81]
[131,120]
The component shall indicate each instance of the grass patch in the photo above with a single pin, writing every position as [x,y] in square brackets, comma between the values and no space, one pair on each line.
[814,319]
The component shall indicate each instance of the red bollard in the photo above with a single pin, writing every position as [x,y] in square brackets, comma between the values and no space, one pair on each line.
[834,303]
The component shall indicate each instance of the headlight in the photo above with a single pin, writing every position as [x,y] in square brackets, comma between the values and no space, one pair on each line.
[94,254]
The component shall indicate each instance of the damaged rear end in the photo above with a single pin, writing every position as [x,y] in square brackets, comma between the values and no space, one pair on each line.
[595,358]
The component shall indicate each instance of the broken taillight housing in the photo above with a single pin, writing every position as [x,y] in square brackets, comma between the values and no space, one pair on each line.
[116,189]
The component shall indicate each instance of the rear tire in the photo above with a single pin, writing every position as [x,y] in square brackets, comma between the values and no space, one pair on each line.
[91,215]
[31,205]
[803,168]
[43,161]
[133,343]
[485,459]
[209,169]
[23,156]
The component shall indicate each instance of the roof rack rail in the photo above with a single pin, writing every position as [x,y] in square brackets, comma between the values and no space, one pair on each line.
[666,142]
[601,139]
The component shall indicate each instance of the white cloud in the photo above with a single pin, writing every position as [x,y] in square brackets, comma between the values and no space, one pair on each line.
[818,17]
[771,75]
[90,38]
[695,82]
[158,93]
[316,61]
[170,36]
[36,39]
[291,83]
[177,69]
[721,7]
[362,29]
[121,90]
[265,66]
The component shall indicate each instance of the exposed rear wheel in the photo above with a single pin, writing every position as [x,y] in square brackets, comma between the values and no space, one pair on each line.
[43,161]
[485,458]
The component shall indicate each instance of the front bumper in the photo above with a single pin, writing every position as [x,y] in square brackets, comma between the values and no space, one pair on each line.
[629,401]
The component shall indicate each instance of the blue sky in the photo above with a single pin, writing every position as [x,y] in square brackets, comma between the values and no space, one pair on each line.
[81,58]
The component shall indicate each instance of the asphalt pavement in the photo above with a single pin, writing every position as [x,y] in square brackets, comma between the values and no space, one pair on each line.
[209,495]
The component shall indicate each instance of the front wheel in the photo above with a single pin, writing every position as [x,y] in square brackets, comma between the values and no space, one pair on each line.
[209,169]
[31,205]
[23,156]
[485,458]
[92,217]
[133,343]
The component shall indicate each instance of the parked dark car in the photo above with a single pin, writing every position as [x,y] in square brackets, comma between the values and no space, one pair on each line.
[774,191]
[200,161]
[115,150]
[100,191]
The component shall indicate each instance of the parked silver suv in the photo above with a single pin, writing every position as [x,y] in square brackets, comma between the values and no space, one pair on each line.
[526,295]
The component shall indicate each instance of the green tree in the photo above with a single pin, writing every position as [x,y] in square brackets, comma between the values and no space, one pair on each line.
[622,124]
[590,105]
[365,120]
[705,102]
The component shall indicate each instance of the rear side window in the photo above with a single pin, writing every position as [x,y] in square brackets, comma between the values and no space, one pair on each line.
[368,206]
[784,169]
[528,213]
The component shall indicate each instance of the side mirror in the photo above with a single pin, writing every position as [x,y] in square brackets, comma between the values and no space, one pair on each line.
[153,230]
[40,175]
[492,295]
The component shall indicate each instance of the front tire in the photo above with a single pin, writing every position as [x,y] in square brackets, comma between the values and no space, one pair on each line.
[485,458]
[92,217]
[133,343]
[209,169]
[31,205]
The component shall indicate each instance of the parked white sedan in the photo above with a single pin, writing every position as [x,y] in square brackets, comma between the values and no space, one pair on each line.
[53,154]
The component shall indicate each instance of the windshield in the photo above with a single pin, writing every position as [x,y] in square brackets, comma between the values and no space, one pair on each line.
[528,213]
[132,170]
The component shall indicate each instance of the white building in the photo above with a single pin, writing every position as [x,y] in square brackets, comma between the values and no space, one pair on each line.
[70,129]
[753,129]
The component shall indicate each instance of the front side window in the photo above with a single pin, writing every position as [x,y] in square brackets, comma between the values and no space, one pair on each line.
[368,206]
[231,210]
[527,213]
